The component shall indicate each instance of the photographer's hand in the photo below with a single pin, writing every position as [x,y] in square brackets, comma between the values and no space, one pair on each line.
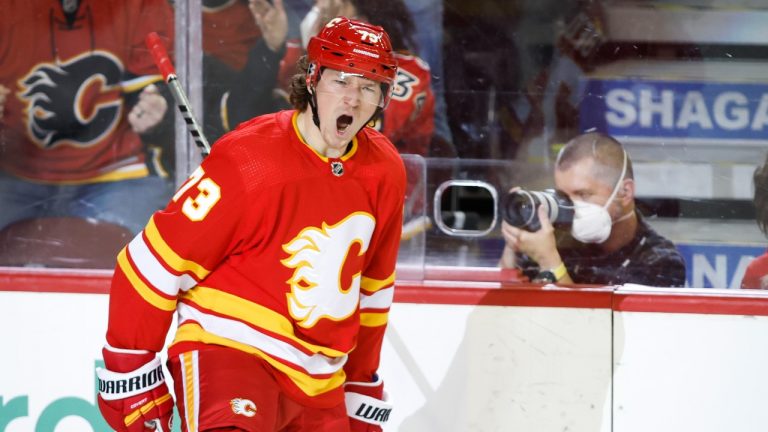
[540,245]
[510,235]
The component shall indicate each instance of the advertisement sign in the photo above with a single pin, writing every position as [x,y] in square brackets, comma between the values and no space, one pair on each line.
[669,110]
[716,265]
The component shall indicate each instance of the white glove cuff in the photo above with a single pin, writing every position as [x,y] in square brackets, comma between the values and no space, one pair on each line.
[115,385]
[367,409]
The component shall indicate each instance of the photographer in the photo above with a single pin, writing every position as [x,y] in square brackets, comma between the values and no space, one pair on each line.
[607,242]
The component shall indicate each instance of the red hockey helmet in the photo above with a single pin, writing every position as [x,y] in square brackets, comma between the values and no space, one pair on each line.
[353,47]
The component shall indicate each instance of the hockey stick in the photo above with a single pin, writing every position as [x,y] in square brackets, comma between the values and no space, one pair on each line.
[163,62]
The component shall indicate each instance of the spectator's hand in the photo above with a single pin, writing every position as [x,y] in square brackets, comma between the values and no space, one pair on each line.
[272,20]
[148,111]
[4,91]
[330,9]
[540,245]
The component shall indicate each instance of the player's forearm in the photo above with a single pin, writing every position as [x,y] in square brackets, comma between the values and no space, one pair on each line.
[363,362]
[133,322]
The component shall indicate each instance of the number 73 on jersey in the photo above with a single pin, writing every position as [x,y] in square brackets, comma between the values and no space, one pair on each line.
[197,206]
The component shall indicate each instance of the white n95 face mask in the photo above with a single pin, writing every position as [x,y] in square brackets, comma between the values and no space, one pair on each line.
[591,222]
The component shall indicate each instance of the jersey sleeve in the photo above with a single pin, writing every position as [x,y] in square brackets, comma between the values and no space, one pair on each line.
[377,284]
[421,124]
[177,249]
[409,119]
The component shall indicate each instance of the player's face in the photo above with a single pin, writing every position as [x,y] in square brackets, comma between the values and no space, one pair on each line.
[580,184]
[345,102]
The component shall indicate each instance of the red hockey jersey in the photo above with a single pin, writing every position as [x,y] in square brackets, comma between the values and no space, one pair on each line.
[408,121]
[65,118]
[274,250]
[756,275]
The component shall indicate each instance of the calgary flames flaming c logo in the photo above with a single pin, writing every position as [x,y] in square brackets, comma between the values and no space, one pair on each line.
[320,257]
[243,407]
[70,103]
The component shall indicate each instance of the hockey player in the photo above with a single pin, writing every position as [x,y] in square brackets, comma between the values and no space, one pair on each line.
[278,257]
[409,120]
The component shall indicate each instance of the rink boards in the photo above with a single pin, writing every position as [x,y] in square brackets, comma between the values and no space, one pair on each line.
[466,350]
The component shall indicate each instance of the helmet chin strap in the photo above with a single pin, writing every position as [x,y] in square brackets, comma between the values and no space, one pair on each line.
[313,105]
[375,114]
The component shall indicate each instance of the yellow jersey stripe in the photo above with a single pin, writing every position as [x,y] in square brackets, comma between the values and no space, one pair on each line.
[189,390]
[224,112]
[141,288]
[125,173]
[373,319]
[139,83]
[311,386]
[169,256]
[246,311]
[373,285]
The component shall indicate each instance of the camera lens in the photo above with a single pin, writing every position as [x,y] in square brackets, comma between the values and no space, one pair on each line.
[519,208]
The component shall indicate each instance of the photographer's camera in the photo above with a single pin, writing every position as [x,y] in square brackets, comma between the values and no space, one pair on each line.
[519,208]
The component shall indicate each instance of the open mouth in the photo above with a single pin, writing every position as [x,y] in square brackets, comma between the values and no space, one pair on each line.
[342,123]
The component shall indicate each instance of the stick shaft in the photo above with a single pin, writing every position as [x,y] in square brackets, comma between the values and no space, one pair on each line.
[163,62]
[186,112]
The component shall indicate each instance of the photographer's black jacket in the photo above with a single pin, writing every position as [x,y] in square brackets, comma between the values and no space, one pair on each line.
[649,259]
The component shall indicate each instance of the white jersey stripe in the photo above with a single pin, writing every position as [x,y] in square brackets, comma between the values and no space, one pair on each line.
[317,364]
[152,270]
[382,299]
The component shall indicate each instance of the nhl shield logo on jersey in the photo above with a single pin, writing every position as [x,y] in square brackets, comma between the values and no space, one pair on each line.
[243,407]
[337,168]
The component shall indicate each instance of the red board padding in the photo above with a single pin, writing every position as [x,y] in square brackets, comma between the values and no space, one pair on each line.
[738,302]
[55,280]
[506,294]
[486,290]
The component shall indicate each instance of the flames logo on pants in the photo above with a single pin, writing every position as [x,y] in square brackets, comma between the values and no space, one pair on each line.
[319,256]
[78,102]
[243,407]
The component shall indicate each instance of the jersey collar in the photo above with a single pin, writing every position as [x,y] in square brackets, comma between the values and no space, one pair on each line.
[344,157]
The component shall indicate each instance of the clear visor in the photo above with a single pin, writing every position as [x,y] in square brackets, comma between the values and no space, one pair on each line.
[352,87]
